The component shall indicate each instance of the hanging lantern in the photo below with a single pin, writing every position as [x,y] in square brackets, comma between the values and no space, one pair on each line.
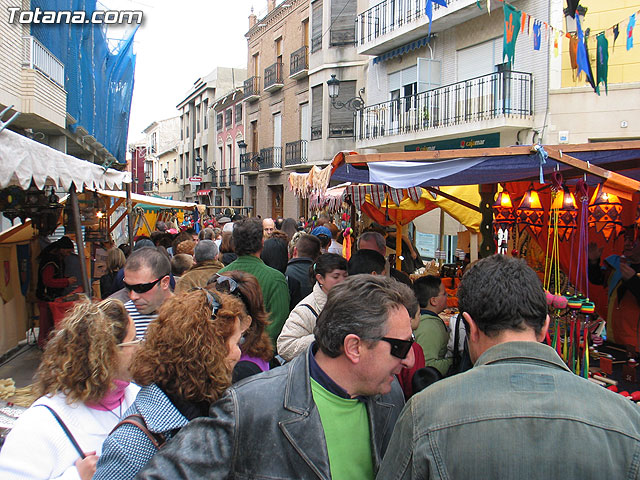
[503,214]
[530,212]
[565,203]
[605,213]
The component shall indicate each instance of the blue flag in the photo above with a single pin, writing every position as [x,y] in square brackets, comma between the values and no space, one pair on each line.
[582,59]
[428,9]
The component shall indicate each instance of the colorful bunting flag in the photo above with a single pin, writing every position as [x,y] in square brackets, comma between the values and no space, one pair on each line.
[555,44]
[511,28]
[616,32]
[582,57]
[632,23]
[428,9]
[602,65]
[536,36]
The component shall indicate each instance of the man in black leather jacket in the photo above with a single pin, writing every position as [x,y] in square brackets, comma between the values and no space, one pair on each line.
[280,424]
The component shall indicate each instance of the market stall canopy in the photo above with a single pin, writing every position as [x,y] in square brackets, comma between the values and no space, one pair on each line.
[141,200]
[23,160]
[601,161]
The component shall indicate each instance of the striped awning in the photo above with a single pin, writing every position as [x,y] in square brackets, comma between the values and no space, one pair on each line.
[401,50]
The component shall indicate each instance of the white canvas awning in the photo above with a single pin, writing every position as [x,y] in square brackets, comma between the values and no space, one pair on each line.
[147,200]
[23,160]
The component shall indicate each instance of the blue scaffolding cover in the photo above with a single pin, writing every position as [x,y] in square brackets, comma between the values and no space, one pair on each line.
[98,81]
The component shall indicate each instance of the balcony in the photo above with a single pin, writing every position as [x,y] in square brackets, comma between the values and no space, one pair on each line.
[271,159]
[273,77]
[252,89]
[37,57]
[393,23]
[232,176]
[340,129]
[299,63]
[223,178]
[249,163]
[497,100]
[214,178]
[295,153]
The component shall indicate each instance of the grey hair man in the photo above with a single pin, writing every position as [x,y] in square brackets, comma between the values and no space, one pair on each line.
[518,412]
[205,255]
[363,338]
[147,279]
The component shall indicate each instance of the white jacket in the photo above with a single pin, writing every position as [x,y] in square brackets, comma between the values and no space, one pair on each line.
[297,332]
[38,448]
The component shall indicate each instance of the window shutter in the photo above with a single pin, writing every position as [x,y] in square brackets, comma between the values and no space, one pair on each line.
[341,119]
[343,22]
[316,26]
[316,112]
[429,74]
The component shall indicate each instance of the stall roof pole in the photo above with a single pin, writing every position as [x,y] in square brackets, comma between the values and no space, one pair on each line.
[129,215]
[79,240]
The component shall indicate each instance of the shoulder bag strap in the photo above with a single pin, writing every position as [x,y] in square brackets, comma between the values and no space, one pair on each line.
[157,439]
[315,314]
[66,431]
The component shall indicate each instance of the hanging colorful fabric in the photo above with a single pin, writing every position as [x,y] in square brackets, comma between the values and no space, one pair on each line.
[616,32]
[602,65]
[583,56]
[511,29]
[537,38]
[605,213]
[556,38]
[630,26]
[428,9]
[530,213]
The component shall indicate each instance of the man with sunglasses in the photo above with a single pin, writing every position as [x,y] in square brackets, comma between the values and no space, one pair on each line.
[519,412]
[328,413]
[147,279]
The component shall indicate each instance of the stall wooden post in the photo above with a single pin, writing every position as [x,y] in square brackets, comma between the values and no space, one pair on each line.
[79,240]
[129,214]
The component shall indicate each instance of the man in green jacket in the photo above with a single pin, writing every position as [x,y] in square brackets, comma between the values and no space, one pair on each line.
[432,334]
[247,241]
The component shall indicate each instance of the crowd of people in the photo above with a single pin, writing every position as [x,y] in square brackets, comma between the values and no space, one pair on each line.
[254,349]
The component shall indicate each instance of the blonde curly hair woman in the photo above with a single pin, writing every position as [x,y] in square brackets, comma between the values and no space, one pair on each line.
[84,385]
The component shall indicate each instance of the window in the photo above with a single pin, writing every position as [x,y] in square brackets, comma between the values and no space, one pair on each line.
[343,27]
[205,155]
[205,113]
[316,112]
[198,119]
[341,119]
[181,166]
[479,59]
[316,26]
[228,117]
[153,147]
[186,125]
[219,121]
[305,32]
[238,113]
[256,64]
[279,47]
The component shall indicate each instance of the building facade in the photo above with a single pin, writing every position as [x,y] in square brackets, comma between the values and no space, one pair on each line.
[451,88]
[291,123]
[197,150]
[576,113]
[226,181]
[162,138]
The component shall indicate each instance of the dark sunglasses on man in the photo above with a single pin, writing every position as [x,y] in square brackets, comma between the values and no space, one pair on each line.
[142,287]
[400,348]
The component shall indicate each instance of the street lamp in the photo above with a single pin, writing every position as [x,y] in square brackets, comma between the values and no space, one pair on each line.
[165,172]
[242,146]
[570,18]
[355,104]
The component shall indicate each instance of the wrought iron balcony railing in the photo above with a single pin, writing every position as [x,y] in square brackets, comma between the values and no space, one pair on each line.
[271,158]
[388,16]
[249,162]
[232,176]
[214,178]
[500,94]
[299,63]
[224,174]
[252,88]
[273,77]
[295,153]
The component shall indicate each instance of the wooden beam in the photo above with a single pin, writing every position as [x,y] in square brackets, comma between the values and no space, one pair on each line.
[453,198]
[115,206]
[615,180]
[436,155]
[117,222]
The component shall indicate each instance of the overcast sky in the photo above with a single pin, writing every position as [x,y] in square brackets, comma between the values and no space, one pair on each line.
[179,42]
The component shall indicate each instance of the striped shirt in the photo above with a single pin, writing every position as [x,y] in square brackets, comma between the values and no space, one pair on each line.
[141,320]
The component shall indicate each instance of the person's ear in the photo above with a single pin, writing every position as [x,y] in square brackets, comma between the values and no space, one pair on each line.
[166,280]
[545,328]
[473,332]
[353,346]
[319,278]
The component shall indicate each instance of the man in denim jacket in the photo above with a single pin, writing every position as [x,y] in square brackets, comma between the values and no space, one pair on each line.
[519,412]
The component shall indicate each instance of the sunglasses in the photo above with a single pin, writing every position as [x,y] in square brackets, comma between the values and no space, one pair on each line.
[400,348]
[142,287]
[229,285]
[213,302]
[135,341]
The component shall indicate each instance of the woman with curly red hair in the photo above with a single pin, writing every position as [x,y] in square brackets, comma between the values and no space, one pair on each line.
[84,382]
[183,365]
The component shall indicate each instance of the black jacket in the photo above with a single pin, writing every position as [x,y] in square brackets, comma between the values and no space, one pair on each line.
[267,427]
[300,285]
